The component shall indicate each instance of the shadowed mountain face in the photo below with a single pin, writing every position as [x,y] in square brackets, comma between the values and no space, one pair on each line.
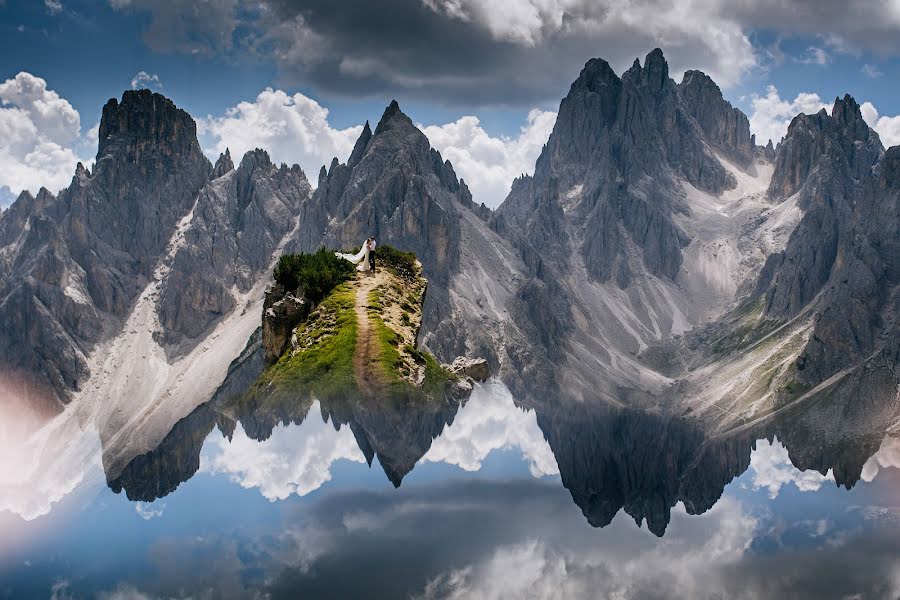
[843,259]
[611,460]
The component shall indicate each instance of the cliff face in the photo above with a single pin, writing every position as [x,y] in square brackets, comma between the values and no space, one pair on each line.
[723,126]
[842,259]
[611,164]
[398,189]
[238,222]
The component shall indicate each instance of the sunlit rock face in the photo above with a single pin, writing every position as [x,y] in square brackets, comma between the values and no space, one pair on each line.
[624,141]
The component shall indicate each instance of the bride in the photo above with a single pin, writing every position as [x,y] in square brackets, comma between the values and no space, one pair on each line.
[360,259]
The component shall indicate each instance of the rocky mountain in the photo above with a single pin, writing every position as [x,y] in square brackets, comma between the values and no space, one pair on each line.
[657,257]
[635,224]
[397,188]
[77,262]
[238,222]
[843,259]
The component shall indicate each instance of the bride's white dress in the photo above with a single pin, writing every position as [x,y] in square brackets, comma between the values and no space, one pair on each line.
[360,259]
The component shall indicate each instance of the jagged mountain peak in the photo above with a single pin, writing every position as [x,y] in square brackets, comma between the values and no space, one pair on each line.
[596,76]
[255,159]
[359,149]
[655,73]
[223,165]
[393,118]
[145,117]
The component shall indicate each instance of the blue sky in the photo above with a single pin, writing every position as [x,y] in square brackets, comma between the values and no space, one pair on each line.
[485,78]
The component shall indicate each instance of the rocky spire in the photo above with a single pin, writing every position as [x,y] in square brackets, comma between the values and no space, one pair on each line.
[146,119]
[223,165]
[361,144]
[723,125]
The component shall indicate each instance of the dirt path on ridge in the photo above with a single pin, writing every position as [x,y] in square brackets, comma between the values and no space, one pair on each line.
[365,359]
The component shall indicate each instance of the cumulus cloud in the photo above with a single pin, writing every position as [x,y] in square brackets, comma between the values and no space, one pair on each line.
[471,52]
[489,164]
[291,128]
[888,456]
[522,52]
[143,79]
[537,569]
[771,114]
[40,135]
[294,460]
[54,7]
[772,469]
[491,421]
[888,128]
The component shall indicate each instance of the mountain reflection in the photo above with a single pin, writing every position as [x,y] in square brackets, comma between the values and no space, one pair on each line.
[609,459]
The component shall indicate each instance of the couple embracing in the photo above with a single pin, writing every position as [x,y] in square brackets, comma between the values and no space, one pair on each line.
[365,258]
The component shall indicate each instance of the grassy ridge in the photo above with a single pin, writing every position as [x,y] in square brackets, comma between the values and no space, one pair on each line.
[322,365]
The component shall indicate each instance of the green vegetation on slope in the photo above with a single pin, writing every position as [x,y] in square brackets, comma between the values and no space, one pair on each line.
[321,364]
[333,356]
[315,275]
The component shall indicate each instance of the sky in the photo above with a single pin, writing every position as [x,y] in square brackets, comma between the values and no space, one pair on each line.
[483,78]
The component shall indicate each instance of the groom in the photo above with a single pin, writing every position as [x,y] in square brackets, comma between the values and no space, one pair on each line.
[371,244]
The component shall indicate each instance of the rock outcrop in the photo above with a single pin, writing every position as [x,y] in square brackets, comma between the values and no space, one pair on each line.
[282,312]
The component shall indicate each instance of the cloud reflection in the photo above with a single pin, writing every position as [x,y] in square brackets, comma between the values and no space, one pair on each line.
[491,421]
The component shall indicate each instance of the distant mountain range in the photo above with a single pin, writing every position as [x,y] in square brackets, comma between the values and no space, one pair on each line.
[657,258]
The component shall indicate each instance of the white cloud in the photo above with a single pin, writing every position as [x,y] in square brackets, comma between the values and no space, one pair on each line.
[888,128]
[815,56]
[772,469]
[54,7]
[872,71]
[148,511]
[888,456]
[292,129]
[6,197]
[143,79]
[489,164]
[491,421]
[772,114]
[294,460]
[40,136]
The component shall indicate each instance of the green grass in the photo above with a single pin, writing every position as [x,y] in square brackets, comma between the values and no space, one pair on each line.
[437,379]
[325,368]
[403,264]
